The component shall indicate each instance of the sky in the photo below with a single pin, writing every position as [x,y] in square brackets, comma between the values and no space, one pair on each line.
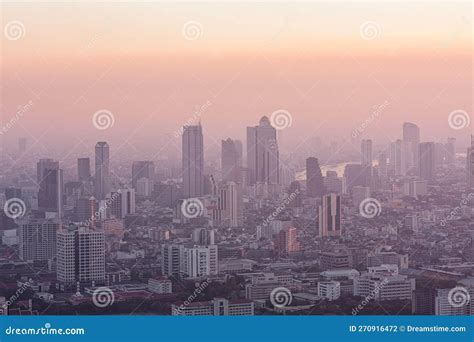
[152,67]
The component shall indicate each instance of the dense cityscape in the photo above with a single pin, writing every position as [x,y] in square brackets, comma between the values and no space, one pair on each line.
[386,230]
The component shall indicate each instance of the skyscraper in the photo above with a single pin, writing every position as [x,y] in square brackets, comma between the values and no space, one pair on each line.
[427,161]
[37,239]
[450,151]
[366,152]
[314,178]
[286,241]
[229,211]
[231,160]
[80,255]
[397,157]
[50,180]
[330,215]
[382,164]
[142,169]
[470,164]
[193,161]
[262,154]
[84,169]
[101,169]
[411,136]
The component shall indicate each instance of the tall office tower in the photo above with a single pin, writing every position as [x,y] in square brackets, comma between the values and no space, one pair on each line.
[359,193]
[366,152]
[263,154]
[101,176]
[411,136]
[285,241]
[171,260]
[450,151]
[83,169]
[470,164]
[200,261]
[80,255]
[193,161]
[231,160]
[51,186]
[37,239]
[42,166]
[294,196]
[203,236]
[398,153]
[427,161]
[382,164]
[85,211]
[121,203]
[229,211]
[314,178]
[142,169]
[21,145]
[330,215]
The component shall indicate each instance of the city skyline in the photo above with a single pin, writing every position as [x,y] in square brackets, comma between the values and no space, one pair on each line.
[236,159]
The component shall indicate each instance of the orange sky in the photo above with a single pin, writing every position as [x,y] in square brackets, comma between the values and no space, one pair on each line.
[152,64]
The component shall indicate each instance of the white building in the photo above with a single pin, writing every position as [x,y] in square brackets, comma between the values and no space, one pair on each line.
[81,255]
[330,290]
[200,261]
[160,286]
[379,286]
[215,307]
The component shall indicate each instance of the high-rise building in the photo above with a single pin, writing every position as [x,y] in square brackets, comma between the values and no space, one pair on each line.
[366,152]
[171,259]
[193,161]
[470,164]
[85,211]
[51,186]
[142,169]
[38,239]
[101,176]
[84,169]
[229,210]
[427,161]
[330,215]
[263,154]
[382,165]
[314,178]
[285,241]
[80,255]
[203,236]
[354,174]
[121,203]
[200,261]
[411,136]
[231,160]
